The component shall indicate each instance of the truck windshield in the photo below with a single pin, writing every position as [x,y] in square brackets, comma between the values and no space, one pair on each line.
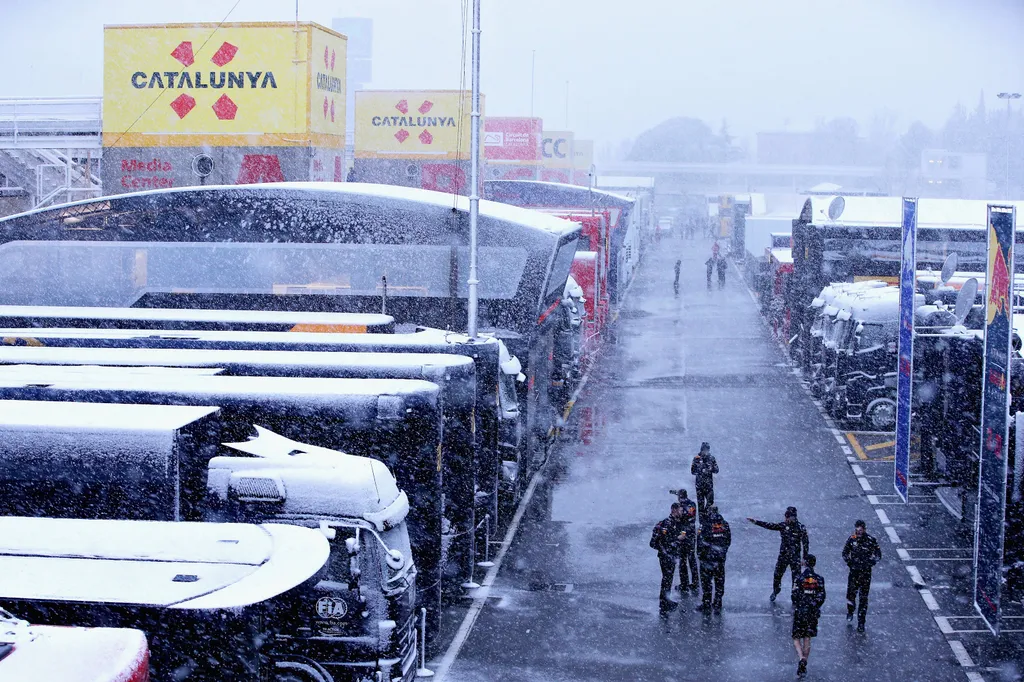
[874,336]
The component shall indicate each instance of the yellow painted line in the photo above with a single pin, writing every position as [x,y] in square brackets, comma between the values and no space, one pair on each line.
[855,444]
[881,446]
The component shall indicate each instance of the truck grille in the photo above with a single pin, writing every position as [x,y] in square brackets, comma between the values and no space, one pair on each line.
[408,649]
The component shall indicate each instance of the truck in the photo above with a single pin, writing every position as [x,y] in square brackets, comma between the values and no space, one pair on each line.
[471,472]
[323,588]
[72,654]
[395,421]
[502,417]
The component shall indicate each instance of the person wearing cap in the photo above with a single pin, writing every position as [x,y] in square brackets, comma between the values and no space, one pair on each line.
[688,559]
[808,598]
[861,553]
[667,538]
[713,540]
[704,467]
[794,544]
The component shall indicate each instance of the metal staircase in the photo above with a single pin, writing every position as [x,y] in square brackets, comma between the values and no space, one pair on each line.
[50,149]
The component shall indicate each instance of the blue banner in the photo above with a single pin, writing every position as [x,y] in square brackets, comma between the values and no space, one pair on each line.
[995,418]
[905,373]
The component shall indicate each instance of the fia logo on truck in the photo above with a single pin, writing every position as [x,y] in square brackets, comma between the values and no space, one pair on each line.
[331,607]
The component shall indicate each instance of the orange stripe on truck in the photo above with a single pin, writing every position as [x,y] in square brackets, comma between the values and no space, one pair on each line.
[330,328]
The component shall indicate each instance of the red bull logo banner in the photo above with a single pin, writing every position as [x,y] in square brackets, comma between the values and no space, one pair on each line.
[989,528]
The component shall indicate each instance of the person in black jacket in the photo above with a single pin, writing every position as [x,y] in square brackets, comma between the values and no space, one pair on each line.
[675,282]
[861,553]
[704,467]
[808,597]
[794,545]
[713,540]
[688,559]
[667,538]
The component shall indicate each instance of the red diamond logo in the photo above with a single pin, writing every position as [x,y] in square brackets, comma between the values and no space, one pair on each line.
[332,60]
[326,52]
[402,135]
[402,106]
[183,104]
[225,108]
[332,111]
[426,137]
[325,107]
[183,53]
[224,54]
[426,106]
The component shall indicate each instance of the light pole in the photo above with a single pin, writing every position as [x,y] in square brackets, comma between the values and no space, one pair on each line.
[1008,96]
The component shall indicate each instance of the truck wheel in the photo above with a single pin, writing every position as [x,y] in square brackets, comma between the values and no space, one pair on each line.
[292,671]
[880,414]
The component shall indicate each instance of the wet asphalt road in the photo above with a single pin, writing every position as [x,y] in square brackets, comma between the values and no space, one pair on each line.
[577,595]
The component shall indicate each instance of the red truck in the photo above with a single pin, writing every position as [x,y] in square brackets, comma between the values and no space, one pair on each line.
[70,654]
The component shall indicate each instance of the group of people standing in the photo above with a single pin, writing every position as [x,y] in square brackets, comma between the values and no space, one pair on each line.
[680,542]
[716,263]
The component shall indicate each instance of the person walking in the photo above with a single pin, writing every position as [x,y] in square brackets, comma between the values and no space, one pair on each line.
[794,543]
[721,266]
[711,270]
[704,467]
[861,553]
[808,598]
[675,283]
[688,559]
[713,540]
[666,539]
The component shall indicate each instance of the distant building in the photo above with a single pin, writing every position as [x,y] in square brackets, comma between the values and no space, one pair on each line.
[953,175]
[359,32]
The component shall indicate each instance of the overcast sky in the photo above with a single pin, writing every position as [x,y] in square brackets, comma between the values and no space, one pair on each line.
[762,65]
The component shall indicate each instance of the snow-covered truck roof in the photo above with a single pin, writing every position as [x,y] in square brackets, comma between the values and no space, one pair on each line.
[418,338]
[317,480]
[101,378]
[178,565]
[831,291]
[75,654]
[211,358]
[353,192]
[130,419]
[327,321]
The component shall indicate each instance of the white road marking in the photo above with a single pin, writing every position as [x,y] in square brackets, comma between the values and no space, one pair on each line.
[929,600]
[873,499]
[883,517]
[851,459]
[847,450]
[857,471]
[903,554]
[891,532]
[974,677]
[944,625]
[831,424]
[961,654]
[915,575]
[865,486]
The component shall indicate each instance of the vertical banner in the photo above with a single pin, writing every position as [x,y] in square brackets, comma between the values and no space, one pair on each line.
[905,374]
[995,418]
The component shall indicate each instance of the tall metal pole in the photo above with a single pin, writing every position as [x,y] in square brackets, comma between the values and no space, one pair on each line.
[566,105]
[533,74]
[1008,96]
[474,176]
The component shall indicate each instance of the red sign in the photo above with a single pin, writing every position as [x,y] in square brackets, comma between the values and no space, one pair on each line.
[224,108]
[512,139]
